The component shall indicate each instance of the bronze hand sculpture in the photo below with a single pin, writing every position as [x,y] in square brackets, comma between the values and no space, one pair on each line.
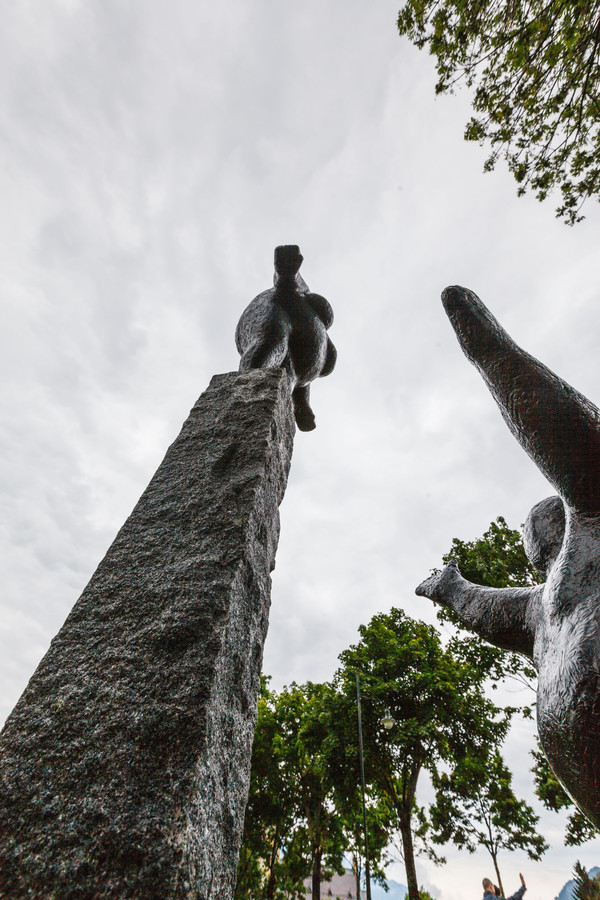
[556,624]
[287,326]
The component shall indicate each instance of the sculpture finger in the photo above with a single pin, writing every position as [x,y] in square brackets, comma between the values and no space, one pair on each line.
[555,424]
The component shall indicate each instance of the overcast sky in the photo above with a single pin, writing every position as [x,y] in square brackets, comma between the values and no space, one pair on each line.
[152,155]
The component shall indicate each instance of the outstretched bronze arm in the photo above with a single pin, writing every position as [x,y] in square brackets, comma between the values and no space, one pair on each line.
[557,426]
[505,617]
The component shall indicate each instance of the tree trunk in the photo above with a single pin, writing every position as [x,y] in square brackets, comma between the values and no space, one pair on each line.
[495,861]
[404,807]
[356,867]
[274,856]
[313,820]
[316,875]
[270,886]
[409,856]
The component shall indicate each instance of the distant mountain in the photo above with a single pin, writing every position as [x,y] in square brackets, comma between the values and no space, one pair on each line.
[568,889]
[343,887]
[396,891]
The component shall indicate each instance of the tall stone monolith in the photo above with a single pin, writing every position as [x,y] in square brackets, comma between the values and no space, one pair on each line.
[125,764]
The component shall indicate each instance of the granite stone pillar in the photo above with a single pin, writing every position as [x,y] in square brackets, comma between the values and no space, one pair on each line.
[125,764]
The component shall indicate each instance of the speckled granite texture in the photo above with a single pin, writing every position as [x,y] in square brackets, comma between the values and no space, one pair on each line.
[125,763]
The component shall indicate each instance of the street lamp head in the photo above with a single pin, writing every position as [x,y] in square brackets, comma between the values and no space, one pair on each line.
[387,720]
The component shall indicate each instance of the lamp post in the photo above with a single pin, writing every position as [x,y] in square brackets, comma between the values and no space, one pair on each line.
[362,780]
[387,721]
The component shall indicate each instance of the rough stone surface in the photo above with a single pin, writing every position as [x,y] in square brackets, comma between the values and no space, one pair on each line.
[556,624]
[125,764]
[287,326]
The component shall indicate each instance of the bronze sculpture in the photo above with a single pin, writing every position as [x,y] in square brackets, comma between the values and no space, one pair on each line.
[286,326]
[556,624]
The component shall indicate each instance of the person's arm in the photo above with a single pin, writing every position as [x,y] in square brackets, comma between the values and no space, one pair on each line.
[518,894]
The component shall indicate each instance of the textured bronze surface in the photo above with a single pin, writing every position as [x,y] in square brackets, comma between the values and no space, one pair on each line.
[287,326]
[125,764]
[556,624]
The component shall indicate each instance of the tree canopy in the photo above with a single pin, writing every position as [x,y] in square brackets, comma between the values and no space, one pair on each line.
[305,803]
[304,811]
[271,821]
[496,559]
[291,827]
[436,697]
[476,806]
[586,887]
[304,807]
[534,66]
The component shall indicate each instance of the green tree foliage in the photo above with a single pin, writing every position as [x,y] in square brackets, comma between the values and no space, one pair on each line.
[309,734]
[476,806]
[304,806]
[379,829]
[586,888]
[437,699]
[292,827]
[534,66]
[497,559]
[550,791]
[271,822]
[339,751]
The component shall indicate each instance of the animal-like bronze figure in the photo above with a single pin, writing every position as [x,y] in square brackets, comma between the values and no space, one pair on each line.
[287,326]
[556,624]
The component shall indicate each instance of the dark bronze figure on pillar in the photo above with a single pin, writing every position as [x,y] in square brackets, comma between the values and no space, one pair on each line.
[556,624]
[286,327]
